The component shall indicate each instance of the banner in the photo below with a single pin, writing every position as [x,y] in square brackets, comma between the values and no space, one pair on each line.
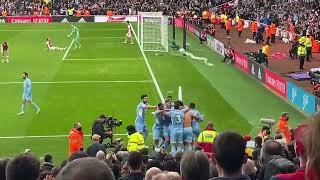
[29,19]
[210,41]
[190,28]
[256,70]
[241,61]
[3,20]
[115,18]
[300,98]
[72,19]
[219,47]
[275,82]
[179,22]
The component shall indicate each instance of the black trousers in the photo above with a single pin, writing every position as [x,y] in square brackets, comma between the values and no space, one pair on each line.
[292,54]
[268,40]
[273,38]
[309,49]
[301,61]
[254,35]
[222,25]
[228,32]
[239,33]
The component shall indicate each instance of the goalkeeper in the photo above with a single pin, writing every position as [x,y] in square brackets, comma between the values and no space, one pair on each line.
[76,35]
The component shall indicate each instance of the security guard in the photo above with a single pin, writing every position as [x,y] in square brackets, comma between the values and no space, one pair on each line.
[266,50]
[70,11]
[135,139]
[308,45]
[208,135]
[302,51]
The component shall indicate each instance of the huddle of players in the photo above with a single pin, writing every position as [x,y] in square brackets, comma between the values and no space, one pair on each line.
[174,124]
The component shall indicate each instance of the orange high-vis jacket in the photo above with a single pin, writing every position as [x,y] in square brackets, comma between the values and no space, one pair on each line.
[273,28]
[86,13]
[78,13]
[268,31]
[283,128]
[4,13]
[205,15]
[240,25]
[46,11]
[213,19]
[228,24]
[75,141]
[254,26]
[109,13]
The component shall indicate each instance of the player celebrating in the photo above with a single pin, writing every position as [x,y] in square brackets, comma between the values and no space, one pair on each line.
[76,35]
[50,47]
[129,34]
[27,94]
[5,52]
[142,107]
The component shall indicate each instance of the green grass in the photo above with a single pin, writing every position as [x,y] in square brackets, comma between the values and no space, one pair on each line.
[226,96]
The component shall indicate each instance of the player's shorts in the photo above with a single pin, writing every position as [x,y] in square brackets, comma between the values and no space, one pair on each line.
[142,128]
[176,135]
[187,134]
[129,35]
[27,97]
[5,53]
[166,131]
[196,129]
[156,131]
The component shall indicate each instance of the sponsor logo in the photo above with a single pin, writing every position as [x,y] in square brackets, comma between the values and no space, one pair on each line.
[29,19]
[64,20]
[276,82]
[82,20]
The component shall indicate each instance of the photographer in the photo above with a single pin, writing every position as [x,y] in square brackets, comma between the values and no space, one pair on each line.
[98,128]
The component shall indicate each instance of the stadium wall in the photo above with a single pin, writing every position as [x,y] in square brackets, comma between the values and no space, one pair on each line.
[301,99]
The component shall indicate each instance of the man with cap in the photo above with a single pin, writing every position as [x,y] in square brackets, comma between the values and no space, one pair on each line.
[135,139]
[283,127]
[95,146]
[208,135]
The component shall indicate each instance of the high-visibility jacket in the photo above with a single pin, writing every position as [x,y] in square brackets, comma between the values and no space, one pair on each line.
[254,26]
[207,136]
[283,128]
[205,15]
[78,13]
[266,49]
[273,29]
[229,24]
[213,19]
[70,11]
[223,18]
[268,32]
[302,51]
[109,13]
[308,43]
[75,141]
[237,19]
[86,13]
[302,39]
[135,142]
[240,25]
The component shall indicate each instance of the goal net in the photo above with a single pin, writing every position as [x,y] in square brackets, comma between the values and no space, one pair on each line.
[153,31]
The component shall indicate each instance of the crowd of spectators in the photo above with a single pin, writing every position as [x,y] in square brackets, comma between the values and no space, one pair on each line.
[233,157]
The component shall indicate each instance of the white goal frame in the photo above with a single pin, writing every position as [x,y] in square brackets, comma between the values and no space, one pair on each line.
[161,44]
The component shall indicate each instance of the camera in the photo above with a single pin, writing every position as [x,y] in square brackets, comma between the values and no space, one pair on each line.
[112,122]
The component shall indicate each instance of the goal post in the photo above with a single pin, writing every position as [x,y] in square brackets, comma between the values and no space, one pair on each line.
[153,31]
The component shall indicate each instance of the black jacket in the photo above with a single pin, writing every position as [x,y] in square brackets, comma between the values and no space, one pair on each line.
[47,166]
[134,176]
[242,177]
[94,148]
[98,128]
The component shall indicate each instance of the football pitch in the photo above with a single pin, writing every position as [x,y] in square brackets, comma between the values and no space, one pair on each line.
[108,77]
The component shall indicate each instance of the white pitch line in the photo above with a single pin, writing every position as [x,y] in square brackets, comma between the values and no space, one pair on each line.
[55,30]
[67,51]
[50,136]
[102,37]
[76,82]
[105,59]
[149,68]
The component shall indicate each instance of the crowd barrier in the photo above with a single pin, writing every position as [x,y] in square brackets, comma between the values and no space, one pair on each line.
[294,94]
[273,81]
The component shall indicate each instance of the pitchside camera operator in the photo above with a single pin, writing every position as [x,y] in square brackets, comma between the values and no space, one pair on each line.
[98,128]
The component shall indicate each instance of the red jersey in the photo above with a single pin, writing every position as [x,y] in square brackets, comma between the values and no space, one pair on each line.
[5,46]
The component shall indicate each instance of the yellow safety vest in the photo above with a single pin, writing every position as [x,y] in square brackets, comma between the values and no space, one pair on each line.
[302,51]
[264,49]
[237,19]
[207,136]
[302,39]
[70,12]
[307,43]
[135,142]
